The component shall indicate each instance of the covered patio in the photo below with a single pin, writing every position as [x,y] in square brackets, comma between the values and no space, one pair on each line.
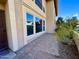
[47,47]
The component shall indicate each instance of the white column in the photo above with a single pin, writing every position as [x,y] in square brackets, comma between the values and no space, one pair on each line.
[11,25]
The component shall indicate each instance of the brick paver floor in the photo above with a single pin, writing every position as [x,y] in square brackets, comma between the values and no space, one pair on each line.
[47,47]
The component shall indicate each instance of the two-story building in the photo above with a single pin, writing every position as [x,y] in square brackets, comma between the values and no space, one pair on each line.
[22,21]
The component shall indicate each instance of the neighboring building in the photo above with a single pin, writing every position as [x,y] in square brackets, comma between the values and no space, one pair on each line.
[22,21]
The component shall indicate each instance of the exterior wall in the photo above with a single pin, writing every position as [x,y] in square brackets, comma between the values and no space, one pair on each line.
[50,22]
[30,7]
[14,24]
[15,11]
[28,39]
[19,23]
[32,4]
[21,7]
[11,25]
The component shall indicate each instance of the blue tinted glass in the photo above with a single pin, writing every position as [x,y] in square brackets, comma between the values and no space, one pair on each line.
[29,17]
[38,23]
[30,24]
[39,3]
[37,19]
[43,28]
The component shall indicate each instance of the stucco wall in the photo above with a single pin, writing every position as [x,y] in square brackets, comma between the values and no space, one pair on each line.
[27,39]
[32,4]
[11,25]
[16,24]
[8,26]
[15,11]
[19,23]
[29,6]
[50,22]
[5,7]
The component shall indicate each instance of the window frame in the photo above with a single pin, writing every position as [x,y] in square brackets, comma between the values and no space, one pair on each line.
[34,24]
[26,23]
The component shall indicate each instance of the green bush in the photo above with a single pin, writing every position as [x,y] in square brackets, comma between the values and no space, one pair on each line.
[64,29]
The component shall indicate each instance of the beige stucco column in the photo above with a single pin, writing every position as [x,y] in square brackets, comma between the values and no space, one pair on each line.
[50,22]
[11,25]
[19,21]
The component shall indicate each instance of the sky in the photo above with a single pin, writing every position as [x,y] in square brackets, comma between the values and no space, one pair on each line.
[68,8]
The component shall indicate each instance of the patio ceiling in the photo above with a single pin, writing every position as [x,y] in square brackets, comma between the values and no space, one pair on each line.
[56,6]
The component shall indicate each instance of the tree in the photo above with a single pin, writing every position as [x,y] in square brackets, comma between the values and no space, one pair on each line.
[72,22]
[59,21]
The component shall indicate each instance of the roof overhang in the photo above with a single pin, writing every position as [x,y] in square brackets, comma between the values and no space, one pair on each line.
[56,6]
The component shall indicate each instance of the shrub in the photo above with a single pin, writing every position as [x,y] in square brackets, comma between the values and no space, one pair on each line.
[64,29]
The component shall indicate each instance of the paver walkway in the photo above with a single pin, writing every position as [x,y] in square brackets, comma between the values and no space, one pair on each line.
[46,47]
[42,48]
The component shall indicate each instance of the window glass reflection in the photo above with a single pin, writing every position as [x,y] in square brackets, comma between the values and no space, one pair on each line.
[30,24]
[38,23]
[43,25]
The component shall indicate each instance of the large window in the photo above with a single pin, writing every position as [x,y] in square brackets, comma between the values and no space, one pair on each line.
[30,24]
[39,3]
[38,23]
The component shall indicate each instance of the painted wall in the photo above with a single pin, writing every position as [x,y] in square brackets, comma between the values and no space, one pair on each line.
[32,4]
[19,23]
[28,39]
[11,25]
[16,20]
[16,24]
[50,22]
